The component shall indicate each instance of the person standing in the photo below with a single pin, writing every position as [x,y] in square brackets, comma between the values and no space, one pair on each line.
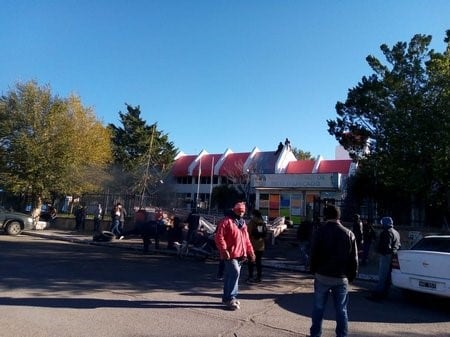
[334,263]
[234,246]
[357,229]
[80,218]
[52,213]
[369,236]
[122,215]
[98,215]
[388,244]
[257,231]
[175,233]
[304,234]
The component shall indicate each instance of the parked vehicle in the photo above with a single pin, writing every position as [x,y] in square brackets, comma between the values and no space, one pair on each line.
[13,223]
[425,267]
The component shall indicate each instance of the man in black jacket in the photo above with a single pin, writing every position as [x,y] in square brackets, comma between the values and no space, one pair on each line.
[334,263]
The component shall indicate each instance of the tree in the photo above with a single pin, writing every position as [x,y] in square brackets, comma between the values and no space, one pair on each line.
[396,122]
[49,145]
[224,196]
[301,155]
[143,153]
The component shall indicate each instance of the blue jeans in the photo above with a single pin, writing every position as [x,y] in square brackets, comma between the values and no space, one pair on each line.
[340,299]
[115,227]
[231,279]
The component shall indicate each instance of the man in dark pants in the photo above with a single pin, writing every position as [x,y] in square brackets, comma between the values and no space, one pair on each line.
[147,228]
[388,244]
[334,263]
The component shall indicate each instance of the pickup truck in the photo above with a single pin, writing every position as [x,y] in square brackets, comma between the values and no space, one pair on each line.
[13,223]
[425,267]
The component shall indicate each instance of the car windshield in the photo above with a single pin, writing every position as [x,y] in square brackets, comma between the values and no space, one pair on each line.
[434,244]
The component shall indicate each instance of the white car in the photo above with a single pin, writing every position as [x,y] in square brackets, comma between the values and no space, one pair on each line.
[425,267]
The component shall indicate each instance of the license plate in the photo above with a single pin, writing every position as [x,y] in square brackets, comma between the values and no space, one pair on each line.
[430,285]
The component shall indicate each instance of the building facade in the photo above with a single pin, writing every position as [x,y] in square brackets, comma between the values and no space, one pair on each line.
[274,182]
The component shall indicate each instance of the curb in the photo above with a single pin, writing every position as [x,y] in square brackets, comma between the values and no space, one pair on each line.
[266,263]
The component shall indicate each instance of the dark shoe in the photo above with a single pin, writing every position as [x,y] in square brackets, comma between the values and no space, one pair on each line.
[250,280]
[257,280]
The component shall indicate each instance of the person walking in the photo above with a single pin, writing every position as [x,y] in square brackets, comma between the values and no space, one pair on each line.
[334,263]
[257,231]
[115,221]
[234,246]
[388,244]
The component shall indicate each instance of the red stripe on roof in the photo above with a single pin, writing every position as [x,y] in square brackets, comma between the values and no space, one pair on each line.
[207,161]
[181,165]
[300,166]
[234,164]
[334,166]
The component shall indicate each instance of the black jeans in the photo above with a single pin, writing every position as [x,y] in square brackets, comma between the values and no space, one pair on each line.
[257,264]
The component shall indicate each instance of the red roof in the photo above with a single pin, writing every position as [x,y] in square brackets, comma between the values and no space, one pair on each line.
[207,162]
[300,166]
[181,165]
[335,166]
[234,164]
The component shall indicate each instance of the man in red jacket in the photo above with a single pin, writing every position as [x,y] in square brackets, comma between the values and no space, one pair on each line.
[234,246]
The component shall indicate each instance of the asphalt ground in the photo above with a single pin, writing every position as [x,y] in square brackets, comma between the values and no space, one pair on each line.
[282,256]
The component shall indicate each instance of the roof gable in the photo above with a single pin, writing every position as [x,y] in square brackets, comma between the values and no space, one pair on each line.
[181,165]
[334,166]
[206,161]
[264,162]
[233,164]
[300,166]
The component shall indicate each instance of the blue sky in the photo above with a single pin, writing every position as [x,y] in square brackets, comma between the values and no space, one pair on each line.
[213,74]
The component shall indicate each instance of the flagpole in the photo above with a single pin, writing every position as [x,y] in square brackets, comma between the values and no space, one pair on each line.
[198,184]
[211,185]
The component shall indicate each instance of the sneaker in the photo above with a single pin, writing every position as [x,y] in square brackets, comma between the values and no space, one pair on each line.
[233,304]
[121,237]
[250,280]
[219,278]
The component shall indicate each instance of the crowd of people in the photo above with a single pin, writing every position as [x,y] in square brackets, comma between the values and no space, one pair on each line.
[329,251]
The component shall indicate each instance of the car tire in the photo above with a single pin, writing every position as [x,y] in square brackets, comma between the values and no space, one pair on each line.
[13,228]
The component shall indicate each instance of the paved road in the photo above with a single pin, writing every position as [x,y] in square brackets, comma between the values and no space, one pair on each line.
[56,288]
[278,256]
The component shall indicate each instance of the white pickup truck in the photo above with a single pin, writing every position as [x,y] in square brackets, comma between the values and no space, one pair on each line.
[425,267]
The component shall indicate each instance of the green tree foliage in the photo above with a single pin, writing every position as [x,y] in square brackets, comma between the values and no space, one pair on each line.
[143,153]
[224,196]
[301,155]
[396,122]
[49,145]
